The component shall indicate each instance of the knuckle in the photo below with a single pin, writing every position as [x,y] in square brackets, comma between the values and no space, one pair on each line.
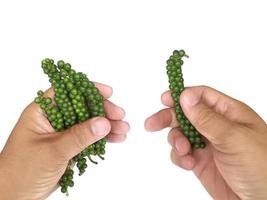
[204,87]
[171,136]
[175,134]
[204,118]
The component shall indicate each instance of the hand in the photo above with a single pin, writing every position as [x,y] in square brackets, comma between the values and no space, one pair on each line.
[234,164]
[35,156]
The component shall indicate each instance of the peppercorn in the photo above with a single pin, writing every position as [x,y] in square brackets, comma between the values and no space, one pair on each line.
[176,85]
[76,99]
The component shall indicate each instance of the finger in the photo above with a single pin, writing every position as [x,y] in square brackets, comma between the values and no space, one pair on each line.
[75,139]
[119,127]
[186,162]
[160,120]
[221,103]
[105,90]
[49,93]
[166,99]
[116,138]
[227,106]
[113,111]
[213,125]
[179,142]
[172,134]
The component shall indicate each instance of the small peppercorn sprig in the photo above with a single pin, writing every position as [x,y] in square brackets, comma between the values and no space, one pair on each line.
[76,100]
[176,85]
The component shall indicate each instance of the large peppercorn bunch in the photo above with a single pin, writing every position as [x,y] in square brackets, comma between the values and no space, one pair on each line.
[176,85]
[76,100]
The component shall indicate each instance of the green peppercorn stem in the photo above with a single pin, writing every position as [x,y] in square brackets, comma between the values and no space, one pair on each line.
[176,85]
[76,100]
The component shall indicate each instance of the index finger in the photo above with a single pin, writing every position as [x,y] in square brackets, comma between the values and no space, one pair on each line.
[160,120]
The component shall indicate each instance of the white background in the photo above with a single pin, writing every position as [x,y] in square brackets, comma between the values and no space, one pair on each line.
[125,44]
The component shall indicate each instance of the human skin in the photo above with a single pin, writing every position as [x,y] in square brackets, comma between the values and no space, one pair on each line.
[35,156]
[234,163]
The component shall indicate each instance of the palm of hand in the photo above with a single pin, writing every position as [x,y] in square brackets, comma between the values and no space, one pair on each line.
[207,169]
[233,164]
[30,148]
[41,154]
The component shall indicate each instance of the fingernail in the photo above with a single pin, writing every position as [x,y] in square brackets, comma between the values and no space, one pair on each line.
[100,126]
[190,98]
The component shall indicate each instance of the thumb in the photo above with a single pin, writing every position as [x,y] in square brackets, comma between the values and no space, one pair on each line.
[205,109]
[75,139]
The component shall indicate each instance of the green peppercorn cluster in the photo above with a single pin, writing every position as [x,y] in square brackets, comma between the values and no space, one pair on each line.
[176,85]
[76,100]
